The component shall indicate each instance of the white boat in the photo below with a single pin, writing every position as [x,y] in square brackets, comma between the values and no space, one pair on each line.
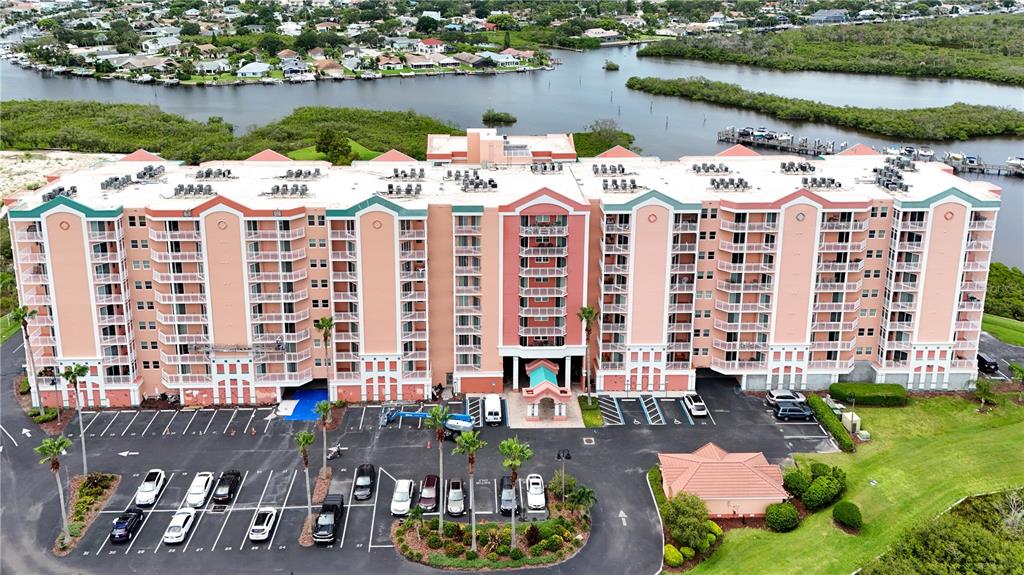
[892,150]
[1017,161]
[407,74]
[300,78]
[926,154]
[785,137]
[371,76]
[144,79]
[271,81]
[971,160]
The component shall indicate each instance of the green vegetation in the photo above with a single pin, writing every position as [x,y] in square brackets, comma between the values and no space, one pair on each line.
[24,387]
[685,520]
[599,137]
[981,535]
[534,37]
[492,118]
[1004,329]
[96,127]
[831,422]
[90,491]
[847,513]
[7,327]
[47,414]
[954,122]
[979,48]
[883,394]
[781,517]
[921,459]
[591,412]
[611,66]
[1005,294]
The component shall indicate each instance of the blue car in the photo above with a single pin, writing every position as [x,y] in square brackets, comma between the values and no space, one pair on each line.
[125,525]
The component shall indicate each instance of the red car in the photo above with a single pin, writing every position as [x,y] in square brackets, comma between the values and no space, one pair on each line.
[428,492]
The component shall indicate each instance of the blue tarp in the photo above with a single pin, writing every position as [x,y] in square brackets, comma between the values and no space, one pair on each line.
[308,398]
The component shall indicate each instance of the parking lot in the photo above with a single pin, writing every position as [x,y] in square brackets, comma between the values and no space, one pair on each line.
[228,421]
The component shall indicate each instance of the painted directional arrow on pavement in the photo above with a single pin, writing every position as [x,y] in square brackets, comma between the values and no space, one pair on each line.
[622,516]
[127,453]
[26,432]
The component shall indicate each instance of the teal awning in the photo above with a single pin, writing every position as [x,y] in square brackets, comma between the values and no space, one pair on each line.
[541,374]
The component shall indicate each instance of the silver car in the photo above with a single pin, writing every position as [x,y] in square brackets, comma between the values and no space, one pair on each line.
[695,405]
[455,501]
[774,396]
[199,490]
[401,501]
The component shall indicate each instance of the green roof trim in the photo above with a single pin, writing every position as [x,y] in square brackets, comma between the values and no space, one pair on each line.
[467,209]
[41,209]
[652,195]
[954,192]
[376,201]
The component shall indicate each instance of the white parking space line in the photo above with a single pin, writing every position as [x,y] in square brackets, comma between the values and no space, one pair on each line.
[195,526]
[155,414]
[208,423]
[245,537]
[494,484]
[169,422]
[194,414]
[149,514]
[232,418]
[373,517]
[93,419]
[280,514]
[249,423]
[104,432]
[796,423]
[231,508]
[9,436]
[348,508]
[712,418]
[130,423]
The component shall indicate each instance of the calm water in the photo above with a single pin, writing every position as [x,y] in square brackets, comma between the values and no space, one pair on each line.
[573,96]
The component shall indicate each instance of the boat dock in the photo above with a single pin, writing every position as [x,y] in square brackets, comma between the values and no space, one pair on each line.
[962,166]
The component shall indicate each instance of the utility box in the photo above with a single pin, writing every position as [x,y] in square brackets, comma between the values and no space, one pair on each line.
[851,421]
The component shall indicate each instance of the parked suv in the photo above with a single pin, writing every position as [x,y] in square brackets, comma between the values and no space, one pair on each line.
[986,364]
[789,410]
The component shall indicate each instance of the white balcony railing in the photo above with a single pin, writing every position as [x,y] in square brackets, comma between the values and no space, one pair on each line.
[343,234]
[532,272]
[745,247]
[180,338]
[906,266]
[731,226]
[740,345]
[837,365]
[170,257]
[837,306]
[412,234]
[345,296]
[844,226]
[276,256]
[291,378]
[186,379]
[275,234]
[281,337]
[467,230]
[757,287]
[175,236]
[542,311]
[538,291]
[842,246]
[172,298]
[538,252]
[295,317]
[344,276]
[742,307]
[854,266]
[279,297]
[832,345]
[185,318]
[275,277]
[344,255]
[543,231]
[105,319]
[410,255]
[417,294]
[173,278]
[722,364]
[745,268]
[741,326]
[981,224]
[554,331]
[183,358]
[838,286]
[833,326]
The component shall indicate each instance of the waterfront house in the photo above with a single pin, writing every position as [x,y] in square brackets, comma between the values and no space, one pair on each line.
[430,46]
[141,63]
[431,14]
[521,54]
[400,43]
[388,62]
[329,68]
[418,61]
[500,60]
[828,17]
[601,34]
[293,66]
[155,45]
[729,484]
[253,70]
[442,60]
[316,53]
[352,63]
[632,21]
[325,26]
[218,66]
[468,59]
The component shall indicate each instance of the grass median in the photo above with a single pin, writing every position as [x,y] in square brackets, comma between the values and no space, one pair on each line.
[1004,329]
[591,411]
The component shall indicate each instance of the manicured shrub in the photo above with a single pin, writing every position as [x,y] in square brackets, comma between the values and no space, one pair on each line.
[831,423]
[516,554]
[847,513]
[404,548]
[433,523]
[673,558]
[687,553]
[537,550]
[714,528]
[47,415]
[819,469]
[400,530]
[883,394]
[822,492]
[711,539]
[685,518]
[453,549]
[492,557]
[33,412]
[24,387]
[781,517]
[417,555]
[555,484]
[839,475]
[339,403]
[467,538]
[503,550]
[482,537]
[434,541]
[532,535]
[796,482]
[452,529]
[504,536]
[553,543]
[471,555]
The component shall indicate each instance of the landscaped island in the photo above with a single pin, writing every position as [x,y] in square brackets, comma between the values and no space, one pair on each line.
[978,47]
[954,122]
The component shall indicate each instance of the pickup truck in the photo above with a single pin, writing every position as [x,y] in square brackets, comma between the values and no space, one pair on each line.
[326,527]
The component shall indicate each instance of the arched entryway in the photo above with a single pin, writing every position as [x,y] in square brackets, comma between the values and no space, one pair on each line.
[546,409]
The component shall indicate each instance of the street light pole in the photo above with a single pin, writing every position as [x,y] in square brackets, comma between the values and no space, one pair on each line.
[563,455]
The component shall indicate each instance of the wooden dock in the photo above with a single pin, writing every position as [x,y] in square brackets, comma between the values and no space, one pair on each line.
[962,167]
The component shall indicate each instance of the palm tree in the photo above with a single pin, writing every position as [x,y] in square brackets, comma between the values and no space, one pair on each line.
[51,449]
[326,327]
[22,315]
[468,443]
[71,374]
[516,453]
[436,420]
[324,410]
[581,498]
[304,439]
[588,316]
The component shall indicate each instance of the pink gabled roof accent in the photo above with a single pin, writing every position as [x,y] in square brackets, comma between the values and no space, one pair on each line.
[542,192]
[736,151]
[858,150]
[618,152]
[393,155]
[713,473]
[141,155]
[541,362]
[546,389]
[268,155]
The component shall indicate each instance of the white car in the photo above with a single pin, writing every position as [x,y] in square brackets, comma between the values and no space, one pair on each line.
[181,523]
[262,524]
[199,490]
[774,396]
[150,488]
[695,405]
[401,501]
[534,491]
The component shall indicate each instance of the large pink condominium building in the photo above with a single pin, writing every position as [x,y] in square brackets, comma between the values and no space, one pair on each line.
[217,282]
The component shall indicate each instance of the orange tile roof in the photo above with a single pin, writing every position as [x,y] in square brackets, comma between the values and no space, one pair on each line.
[141,155]
[713,473]
[858,150]
[618,152]
[738,150]
[393,156]
[268,156]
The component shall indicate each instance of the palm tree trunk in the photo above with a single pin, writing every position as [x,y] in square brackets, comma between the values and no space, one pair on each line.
[472,511]
[440,486]
[63,509]
[324,428]
[31,360]
[81,431]
[515,491]
[309,495]
[586,370]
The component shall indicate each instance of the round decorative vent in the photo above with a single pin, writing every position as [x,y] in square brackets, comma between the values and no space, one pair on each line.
[64,225]
[948,216]
[652,218]
[377,224]
[222,225]
[800,216]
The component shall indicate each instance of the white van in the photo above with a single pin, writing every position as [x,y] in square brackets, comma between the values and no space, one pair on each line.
[492,409]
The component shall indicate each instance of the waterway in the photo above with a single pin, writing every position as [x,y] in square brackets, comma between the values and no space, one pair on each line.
[575,94]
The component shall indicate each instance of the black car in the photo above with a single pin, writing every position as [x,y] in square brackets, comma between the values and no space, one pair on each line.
[791,410]
[126,524]
[508,496]
[227,486]
[987,364]
[366,475]
[331,512]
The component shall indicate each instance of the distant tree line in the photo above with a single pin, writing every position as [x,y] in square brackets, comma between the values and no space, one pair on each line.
[1005,294]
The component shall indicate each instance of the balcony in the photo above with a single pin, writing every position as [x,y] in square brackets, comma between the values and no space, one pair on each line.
[183,379]
[742,307]
[346,296]
[745,287]
[909,246]
[613,327]
[175,236]
[171,257]
[622,249]
[680,287]
[683,268]
[180,338]
[965,344]
[741,326]
[833,326]
[745,247]
[172,278]
[111,299]
[542,272]
[347,336]
[47,340]
[35,300]
[731,226]
[740,345]
[467,230]
[106,235]
[415,315]
[836,365]
[411,255]
[683,247]
[539,252]
[543,231]
[343,234]
[107,257]
[898,344]
[275,235]
[680,308]
[981,224]
[904,286]
[469,270]
[722,364]
[976,266]
[412,275]
[275,277]
[613,346]
[103,319]
[178,359]
[968,364]
[409,376]
[745,268]
[899,326]
[979,245]
[842,246]
[970,306]
[118,379]
[534,311]
[614,308]
[973,286]
[467,329]
[854,266]
[345,316]
[276,256]
[967,325]
[285,357]
[677,365]
[109,279]
[902,305]
[294,378]
[844,226]
[908,225]
[612,365]
[837,306]
[35,279]
[185,318]
[832,345]
[684,227]
[538,291]
[279,297]
[617,228]
[838,286]
[680,327]
[347,376]
[679,346]
[467,310]
[29,257]
[554,331]
[467,349]
[615,288]
[412,234]
[471,289]
[420,294]
[281,337]
[47,320]
[344,256]
[344,276]
[28,236]
[417,355]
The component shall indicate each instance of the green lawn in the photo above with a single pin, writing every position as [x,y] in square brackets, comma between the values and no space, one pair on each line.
[924,457]
[591,413]
[310,153]
[1006,330]
[7,328]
